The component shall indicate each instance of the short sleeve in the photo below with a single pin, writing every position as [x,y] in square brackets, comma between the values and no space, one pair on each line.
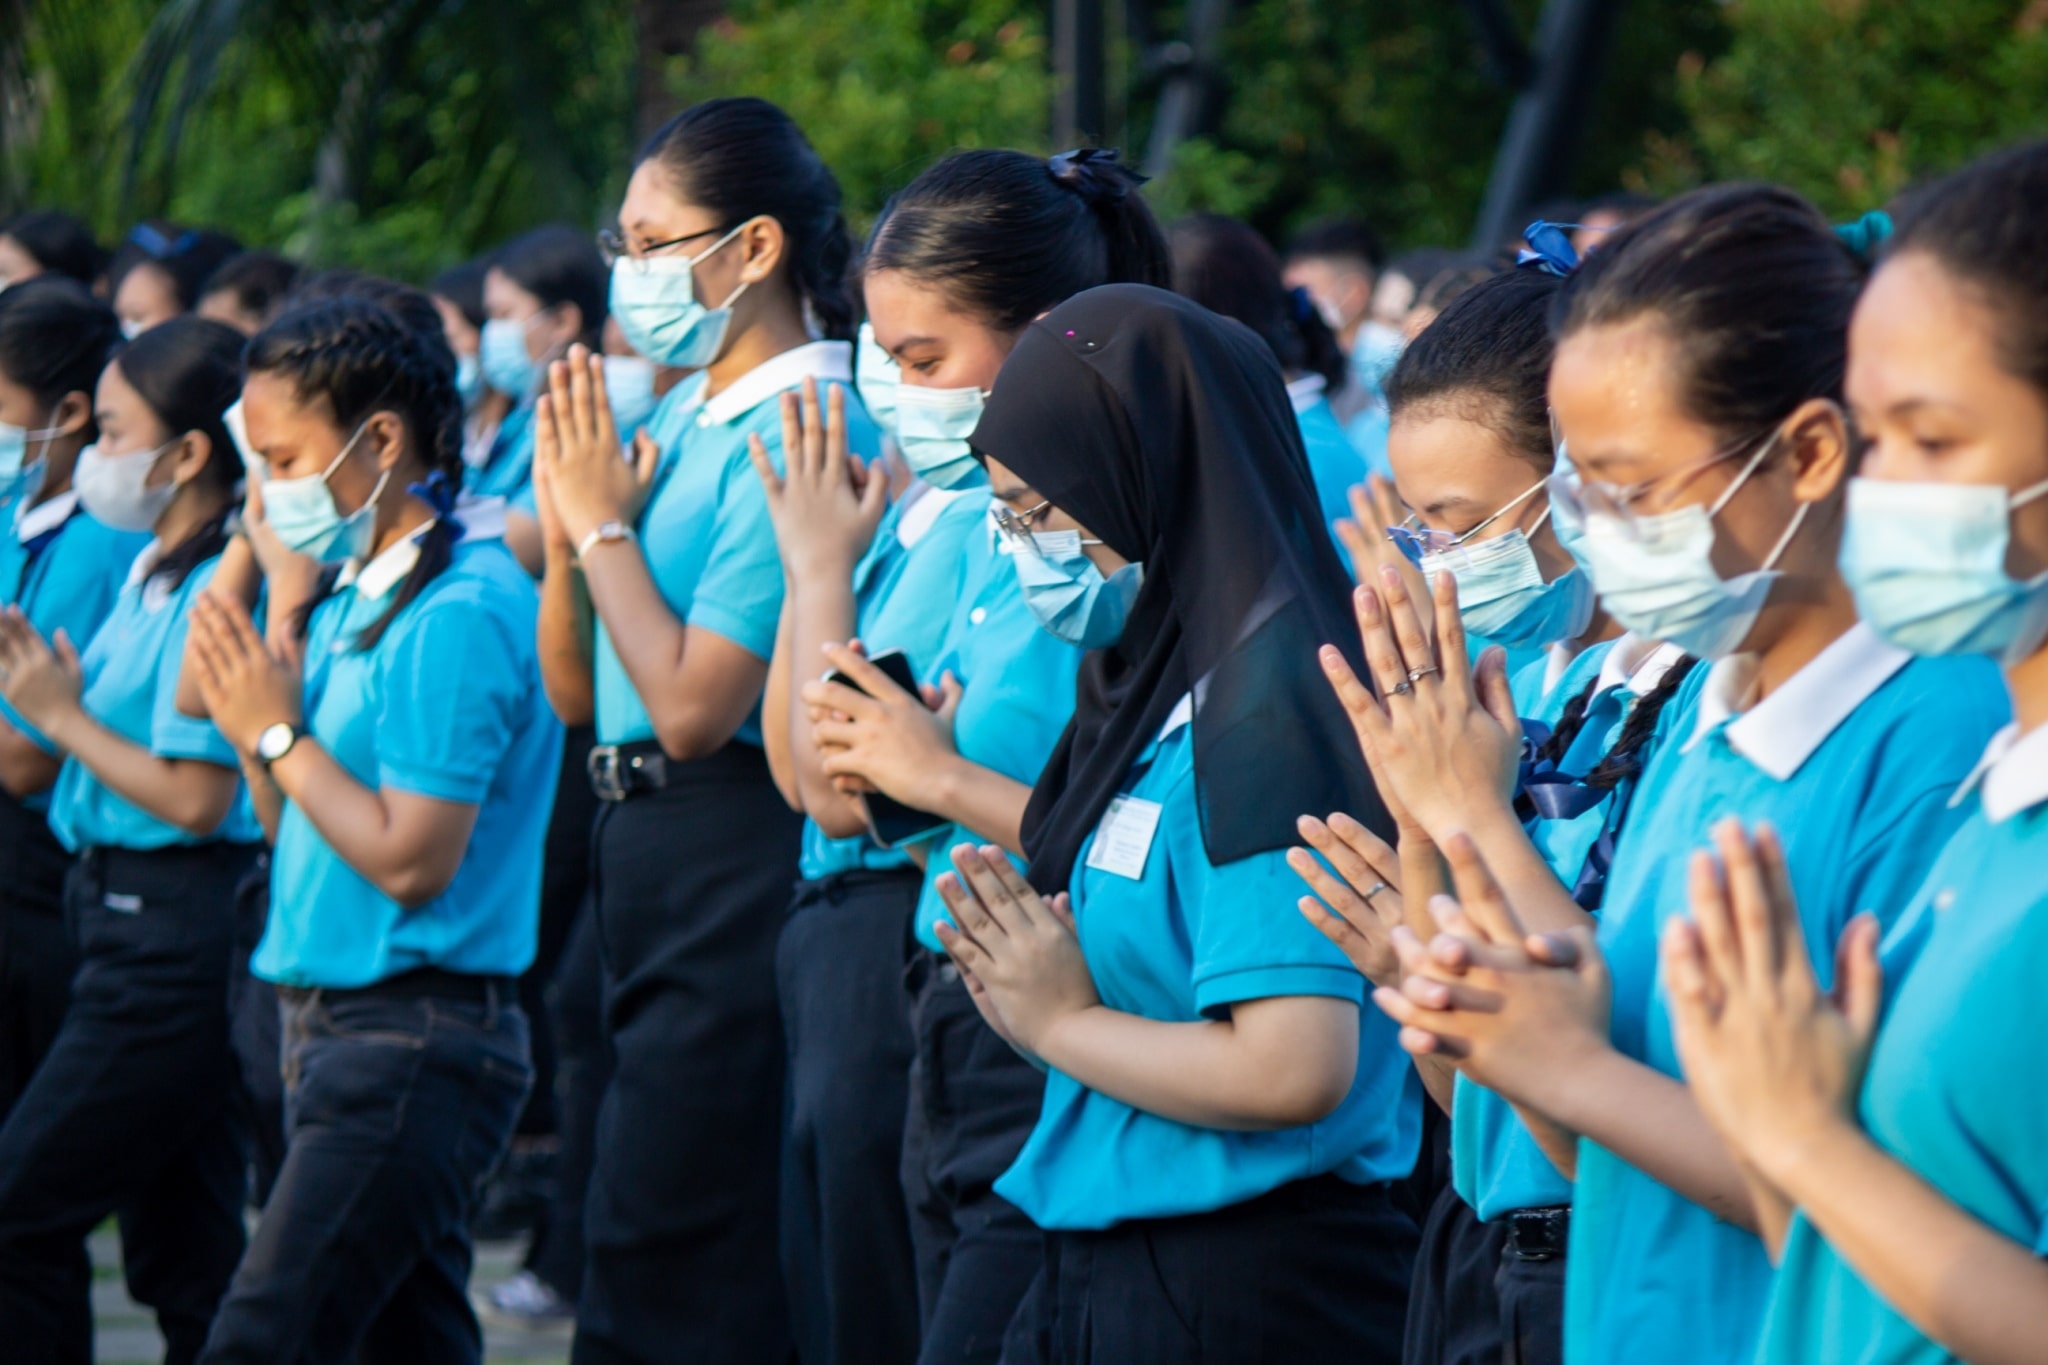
[1250,943]
[74,593]
[443,727]
[172,733]
[739,594]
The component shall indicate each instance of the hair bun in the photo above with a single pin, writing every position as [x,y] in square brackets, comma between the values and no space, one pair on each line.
[1094,173]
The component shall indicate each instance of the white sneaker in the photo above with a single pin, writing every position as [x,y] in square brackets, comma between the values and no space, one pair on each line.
[526,1300]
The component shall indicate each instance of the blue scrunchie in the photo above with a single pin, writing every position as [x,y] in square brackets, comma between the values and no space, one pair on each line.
[1550,249]
[1866,235]
[438,493]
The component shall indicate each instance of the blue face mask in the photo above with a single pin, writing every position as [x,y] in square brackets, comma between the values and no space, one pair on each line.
[469,380]
[932,427]
[1374,352]
[1567,521]
[629,387]
[655,302]
[303,514]
[877,376]
[504,362]
[1927,564]
[1068,594]
[20,475]
[1502,595]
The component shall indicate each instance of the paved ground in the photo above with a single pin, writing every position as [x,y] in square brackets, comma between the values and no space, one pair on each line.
[126,1334]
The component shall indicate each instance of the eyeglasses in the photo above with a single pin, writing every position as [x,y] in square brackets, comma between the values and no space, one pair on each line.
[1626,501]
[1016,528]
[613,246]
[1415,540]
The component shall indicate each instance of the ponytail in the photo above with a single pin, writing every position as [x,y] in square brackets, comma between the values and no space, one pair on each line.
[1009,236]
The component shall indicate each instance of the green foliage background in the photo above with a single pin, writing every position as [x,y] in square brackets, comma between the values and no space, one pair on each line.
[402,135]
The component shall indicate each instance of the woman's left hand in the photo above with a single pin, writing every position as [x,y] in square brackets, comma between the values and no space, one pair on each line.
[1020,947]
[40,681]
[894,740]
[1359,906]
[591,480]
[247,688]
[826,505]
[1775,1061]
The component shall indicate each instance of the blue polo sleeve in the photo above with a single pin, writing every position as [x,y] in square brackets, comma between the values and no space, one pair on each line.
[739,594]
[74,591]
[454,683]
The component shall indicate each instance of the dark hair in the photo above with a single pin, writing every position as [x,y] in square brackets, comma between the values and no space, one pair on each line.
[59,242]
[360,358]
[409,305]
[259,280]
[189,372]
[55,338]
[463,286]
[742,158]
[1339,239]
[557,264]
[1983,224]
[1751,285]
[1453,281]
[1488,356]
[1009,235]
[188,256]
[1223,264]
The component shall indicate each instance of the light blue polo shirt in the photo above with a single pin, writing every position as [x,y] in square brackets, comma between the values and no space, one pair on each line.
[64,570]
[447,705]
[1333,462]
[1018,680]
[904,593]
[1853,759]
[1944,1094]
[508,472]
[1182,941]
[131,687]
[1367,433]
[705,530]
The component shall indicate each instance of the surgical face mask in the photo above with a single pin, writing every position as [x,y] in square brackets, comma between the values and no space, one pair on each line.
[131,329]
[1502,595]
[1655,574]
[1567,519]
[302,513]
[503,360]
[1374,352]
[1069,595]
[114,490]
[877,376]
[655,301]
[1927,564]
[21,475]
[932,427]
[469,379]
[629,387]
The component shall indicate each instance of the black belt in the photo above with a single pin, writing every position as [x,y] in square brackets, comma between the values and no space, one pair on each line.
[1538,1234]
[423,983]
[621,771]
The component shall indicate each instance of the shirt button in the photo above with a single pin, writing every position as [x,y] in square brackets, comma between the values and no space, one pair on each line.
[977,616]
[1945,898]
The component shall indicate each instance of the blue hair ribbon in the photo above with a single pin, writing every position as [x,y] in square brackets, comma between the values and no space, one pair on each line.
[1549,249]
[1866,235]
[438,493]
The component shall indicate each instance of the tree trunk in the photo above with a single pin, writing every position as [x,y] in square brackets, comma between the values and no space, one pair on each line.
[666,29]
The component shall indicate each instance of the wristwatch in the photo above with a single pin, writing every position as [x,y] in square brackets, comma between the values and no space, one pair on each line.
[603,533]
[277,740]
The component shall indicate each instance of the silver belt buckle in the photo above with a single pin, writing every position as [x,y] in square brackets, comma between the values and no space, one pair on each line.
[605,777]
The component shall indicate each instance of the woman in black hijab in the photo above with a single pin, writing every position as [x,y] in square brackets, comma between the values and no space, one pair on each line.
[1221,1120]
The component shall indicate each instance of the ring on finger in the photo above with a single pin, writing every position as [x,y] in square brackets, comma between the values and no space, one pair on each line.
[1377,887]
[1418,674]
[1401,689]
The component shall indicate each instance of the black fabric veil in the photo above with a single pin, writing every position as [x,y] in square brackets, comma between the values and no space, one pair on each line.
[1166,430]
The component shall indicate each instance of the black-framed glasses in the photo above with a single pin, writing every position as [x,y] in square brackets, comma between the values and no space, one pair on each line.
[612,245]
[1016,526]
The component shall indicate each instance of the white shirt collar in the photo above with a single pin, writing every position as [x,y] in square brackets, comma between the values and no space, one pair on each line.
[825,361]
[1780,733]
[1557,662]
[1638,663]
[145,563]
[1181,715]
[385,570]
[30,522]
[1306,392]
[2013,773]
[923,513]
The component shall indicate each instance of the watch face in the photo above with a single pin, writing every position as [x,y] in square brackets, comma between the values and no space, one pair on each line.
[273,742]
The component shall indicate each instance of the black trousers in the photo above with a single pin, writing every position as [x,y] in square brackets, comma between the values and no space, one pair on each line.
[133,1109]
[255,1031]
[1454,1314]
[1531,1295]
[845,1233]
[680,1228]
[1314,1271]
[36,957]
[564,886]
[973,1102]
[583,1072]
[399,1106]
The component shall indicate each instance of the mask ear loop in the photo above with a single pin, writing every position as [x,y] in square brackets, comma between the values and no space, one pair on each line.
[1777,550]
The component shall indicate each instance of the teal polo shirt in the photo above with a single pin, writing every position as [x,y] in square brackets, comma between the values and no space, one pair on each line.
[1944,1093]
[1853,759]
[447,704]
[705,530]
[1333,462]
[1174,937]
[131,687]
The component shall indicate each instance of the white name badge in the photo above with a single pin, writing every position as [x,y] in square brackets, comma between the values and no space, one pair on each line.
[1124,838]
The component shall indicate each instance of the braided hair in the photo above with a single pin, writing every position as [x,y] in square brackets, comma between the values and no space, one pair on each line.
[1623,759]
[360,358]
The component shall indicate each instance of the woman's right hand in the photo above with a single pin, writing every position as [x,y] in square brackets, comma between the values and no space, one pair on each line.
[290,578]
[825,505]
[1360,906]
[1376,509]
[554,535]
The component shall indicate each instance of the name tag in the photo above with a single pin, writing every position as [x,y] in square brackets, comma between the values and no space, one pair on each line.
[126,905]
[1123,840]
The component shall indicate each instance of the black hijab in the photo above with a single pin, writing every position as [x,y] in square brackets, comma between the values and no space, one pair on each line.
[1166,430]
